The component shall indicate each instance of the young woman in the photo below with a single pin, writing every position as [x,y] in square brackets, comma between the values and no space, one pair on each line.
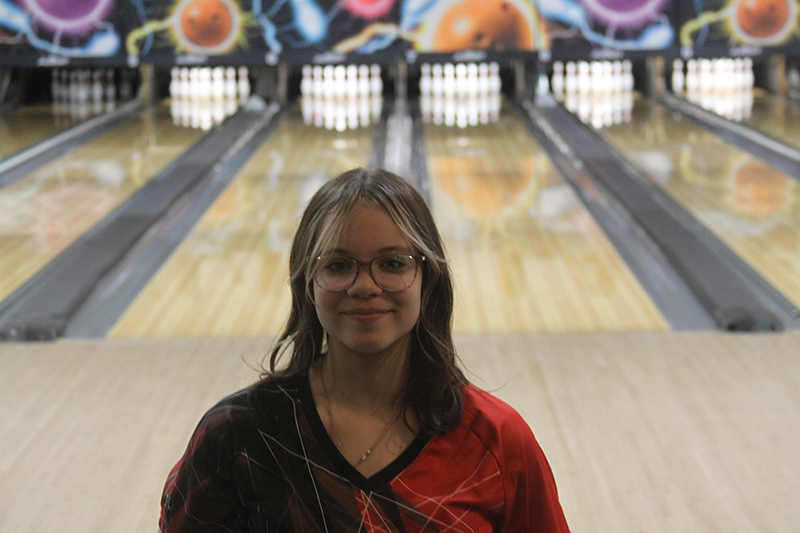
[369,426]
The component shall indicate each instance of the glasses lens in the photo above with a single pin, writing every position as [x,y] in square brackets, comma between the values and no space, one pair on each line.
[394,272]
[335,273]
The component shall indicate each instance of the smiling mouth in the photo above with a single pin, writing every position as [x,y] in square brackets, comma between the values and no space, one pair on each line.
[367,315]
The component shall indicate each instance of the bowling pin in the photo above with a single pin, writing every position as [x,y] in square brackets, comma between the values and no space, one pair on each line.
[175,109]
[449,80]
[425,80]
[230,83]
[692,79]
[437,80]
[627,75]
[557,80]
[340,81]
[316,84]
[706,75]
[218,83]
[678,78]
[596,73]
[174,82]
[571,78]
[328,83]
[306,82]
[363,81]
[204,84]
[749,78]
[618,81]
[473,85]
[483,78]
[461,79]
[352,81]
[243,84]
[495,83]
[375,81]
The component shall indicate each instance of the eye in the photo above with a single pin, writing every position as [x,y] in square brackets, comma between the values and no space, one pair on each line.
[395,263]
[337,265]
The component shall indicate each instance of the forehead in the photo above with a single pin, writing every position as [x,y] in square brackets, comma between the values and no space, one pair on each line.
[368,230]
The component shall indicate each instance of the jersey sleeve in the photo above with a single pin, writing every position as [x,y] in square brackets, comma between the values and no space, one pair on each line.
[532,504]
[200,492]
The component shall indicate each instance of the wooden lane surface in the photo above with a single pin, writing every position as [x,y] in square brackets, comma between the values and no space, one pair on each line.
[230,275]
[27,126]
[776,116]
[49,209]
[526,254]
[753,208]
[656,432]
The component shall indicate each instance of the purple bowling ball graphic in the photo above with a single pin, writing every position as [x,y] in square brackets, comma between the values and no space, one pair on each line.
[68,17]
[624,13]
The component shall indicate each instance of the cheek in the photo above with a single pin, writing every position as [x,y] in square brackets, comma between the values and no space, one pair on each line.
[324,302]
[413,302]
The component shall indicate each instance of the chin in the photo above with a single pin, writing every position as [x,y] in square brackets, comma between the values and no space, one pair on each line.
[374,346]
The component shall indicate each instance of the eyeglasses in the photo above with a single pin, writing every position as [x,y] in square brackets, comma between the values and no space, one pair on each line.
[389,272]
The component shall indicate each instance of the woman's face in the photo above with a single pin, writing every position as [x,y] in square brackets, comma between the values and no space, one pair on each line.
[364,318]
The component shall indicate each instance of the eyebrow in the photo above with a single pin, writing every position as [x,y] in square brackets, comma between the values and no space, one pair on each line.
[384,250]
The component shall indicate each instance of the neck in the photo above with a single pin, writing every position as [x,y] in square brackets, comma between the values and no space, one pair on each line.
[373,381]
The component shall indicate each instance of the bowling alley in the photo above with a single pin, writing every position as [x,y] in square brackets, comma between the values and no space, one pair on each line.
[615,185]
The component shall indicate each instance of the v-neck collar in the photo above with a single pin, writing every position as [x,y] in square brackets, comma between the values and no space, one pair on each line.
[351,473]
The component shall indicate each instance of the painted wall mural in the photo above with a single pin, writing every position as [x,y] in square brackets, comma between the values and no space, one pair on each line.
[49,32]
[59,32]
[609,28]
[740,27]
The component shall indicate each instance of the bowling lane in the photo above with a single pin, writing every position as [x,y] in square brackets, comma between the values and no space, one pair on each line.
[527,256]
[29,125]
[752,207]
[776,116]
[230,275]
[43,213]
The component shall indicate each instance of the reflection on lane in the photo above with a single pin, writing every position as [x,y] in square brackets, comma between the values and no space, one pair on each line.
[750,206]
[776,116]
[29,125]
[48,210]
[230,275]
[771,114]
[526,254]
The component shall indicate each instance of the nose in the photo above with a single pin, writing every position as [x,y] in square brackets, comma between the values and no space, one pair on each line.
[364,284]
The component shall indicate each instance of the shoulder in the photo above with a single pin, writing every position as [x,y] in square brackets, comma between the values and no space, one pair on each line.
[494,421]
[530,493]
[255,405]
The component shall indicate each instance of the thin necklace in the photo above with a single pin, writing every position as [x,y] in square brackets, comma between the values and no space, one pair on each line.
[364,456]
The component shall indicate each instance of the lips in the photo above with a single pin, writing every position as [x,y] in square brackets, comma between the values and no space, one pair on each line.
[367,315]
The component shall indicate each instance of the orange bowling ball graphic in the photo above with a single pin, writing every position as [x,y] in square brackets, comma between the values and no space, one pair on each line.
[481,193]
[763,19]
[206,23]
[482,24]
[758,190]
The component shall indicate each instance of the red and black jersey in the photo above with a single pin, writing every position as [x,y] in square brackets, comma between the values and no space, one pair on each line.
[261,461]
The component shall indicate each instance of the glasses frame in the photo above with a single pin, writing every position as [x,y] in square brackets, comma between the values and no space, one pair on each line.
[418,260]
